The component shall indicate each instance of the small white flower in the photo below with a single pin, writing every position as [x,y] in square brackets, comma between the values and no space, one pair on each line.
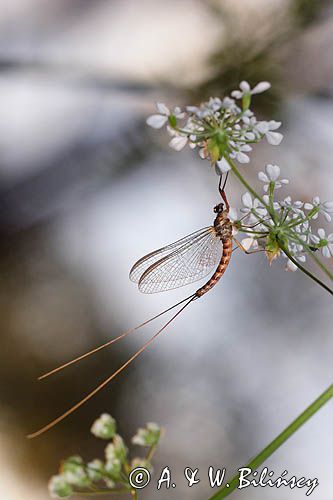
[249,242]
[293,206]
[267,129]
[139,439]
[206,108]
[242,157]
[222,167]
[325,242]
[74,472]
[104,427]
[203,153]
[148,436]
[246,89]
[113,467]
[77,477]
[298,257]
[325,208]
[251,204]
[192,109]
[230,105]
[233,214]
[59,487]
[271,174]
[160,119]
[291,266]
[140,462]
[178,142]
[95,469]
[215,103]
[276,204]
[116,449]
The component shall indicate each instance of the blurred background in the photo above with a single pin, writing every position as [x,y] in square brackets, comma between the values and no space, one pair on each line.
[86,189]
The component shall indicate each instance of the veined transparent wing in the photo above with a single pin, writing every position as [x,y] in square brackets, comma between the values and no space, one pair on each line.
[145,262]
[181,263]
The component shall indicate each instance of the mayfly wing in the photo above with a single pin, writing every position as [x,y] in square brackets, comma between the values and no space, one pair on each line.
[145,262]
[181,263]
[191,262]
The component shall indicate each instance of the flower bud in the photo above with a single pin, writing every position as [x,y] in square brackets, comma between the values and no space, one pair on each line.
[74,472]
[113,468]
[59,487]
[95,470]
[140,462]
[104,427]
[149,436]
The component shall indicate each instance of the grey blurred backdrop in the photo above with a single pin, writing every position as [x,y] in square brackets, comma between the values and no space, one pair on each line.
[86,189]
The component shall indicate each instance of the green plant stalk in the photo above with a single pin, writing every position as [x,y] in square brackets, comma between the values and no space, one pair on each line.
[246,185]
[134,494]
[151,452]
[101,492]
[278,441]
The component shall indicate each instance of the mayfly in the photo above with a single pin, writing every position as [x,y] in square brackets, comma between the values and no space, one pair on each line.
[181,263]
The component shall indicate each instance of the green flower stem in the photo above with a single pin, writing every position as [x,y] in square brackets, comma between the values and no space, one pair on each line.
[151,452]
[271,200]
[246,185]
[102,492]
[278,441]
[249,233]
[305,271]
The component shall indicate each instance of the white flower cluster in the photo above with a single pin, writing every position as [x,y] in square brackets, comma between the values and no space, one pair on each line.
[272,224]
[148,436]
[104,427]
[220,129]
[224,130]
[77,477]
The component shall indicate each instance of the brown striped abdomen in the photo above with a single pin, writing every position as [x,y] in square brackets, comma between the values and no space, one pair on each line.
[220,270]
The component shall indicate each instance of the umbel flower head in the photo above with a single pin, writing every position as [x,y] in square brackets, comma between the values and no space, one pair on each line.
[149,436]
[282,227]
[109,475]
[219,129]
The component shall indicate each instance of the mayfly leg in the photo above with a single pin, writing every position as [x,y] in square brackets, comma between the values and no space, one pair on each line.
[248,252]
[110,342]
[222,192]
[114,374]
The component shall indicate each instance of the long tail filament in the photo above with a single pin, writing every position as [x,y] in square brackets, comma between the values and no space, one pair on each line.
[119,370]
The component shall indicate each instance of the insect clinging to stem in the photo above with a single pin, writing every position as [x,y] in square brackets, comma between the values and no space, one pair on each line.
[178,264]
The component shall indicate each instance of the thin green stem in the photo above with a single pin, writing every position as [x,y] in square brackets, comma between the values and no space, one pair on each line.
[246,185]
[102,492]
[271,200]
[277,442]
[151,452]
[134,494]
[306,271]
[250,232]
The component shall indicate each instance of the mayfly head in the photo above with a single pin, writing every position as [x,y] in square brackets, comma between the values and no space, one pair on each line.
[219,208]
